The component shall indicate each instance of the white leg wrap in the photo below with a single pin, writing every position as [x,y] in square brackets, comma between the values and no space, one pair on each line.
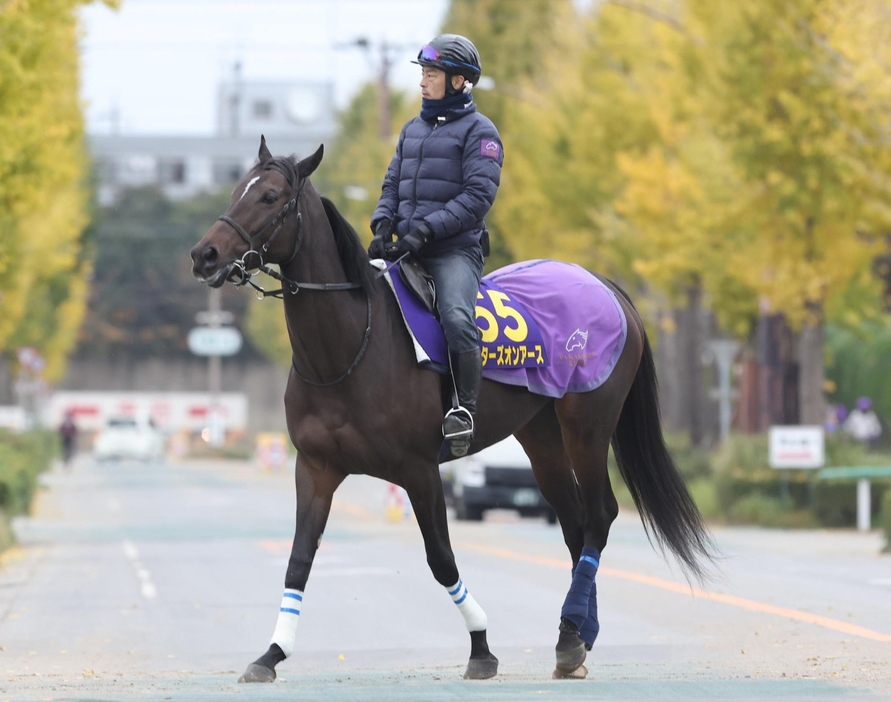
[285,634]
[473,614]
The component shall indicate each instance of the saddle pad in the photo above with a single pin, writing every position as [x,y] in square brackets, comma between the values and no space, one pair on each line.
[576,319]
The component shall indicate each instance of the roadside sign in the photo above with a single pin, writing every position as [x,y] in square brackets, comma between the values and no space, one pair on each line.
[214,341]
[796,447]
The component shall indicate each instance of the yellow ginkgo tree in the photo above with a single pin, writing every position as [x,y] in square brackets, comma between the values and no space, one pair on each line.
[43,181]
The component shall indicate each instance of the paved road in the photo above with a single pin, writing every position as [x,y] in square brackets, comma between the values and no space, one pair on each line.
[137,582]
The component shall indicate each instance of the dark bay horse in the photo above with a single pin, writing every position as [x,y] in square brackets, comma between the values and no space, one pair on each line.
[357,402]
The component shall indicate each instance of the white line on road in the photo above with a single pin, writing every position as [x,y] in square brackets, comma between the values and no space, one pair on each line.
[147,587]
[742,602]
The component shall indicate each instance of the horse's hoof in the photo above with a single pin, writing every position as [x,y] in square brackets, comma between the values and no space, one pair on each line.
[481,668]
[579,673]
[571,651]
[257,673]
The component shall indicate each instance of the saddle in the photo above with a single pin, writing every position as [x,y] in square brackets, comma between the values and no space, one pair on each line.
[419,281]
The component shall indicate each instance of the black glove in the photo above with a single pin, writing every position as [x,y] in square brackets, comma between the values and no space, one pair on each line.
[411,243]
[380,240]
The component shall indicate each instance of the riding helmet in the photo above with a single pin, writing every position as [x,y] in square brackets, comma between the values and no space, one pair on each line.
[454,54]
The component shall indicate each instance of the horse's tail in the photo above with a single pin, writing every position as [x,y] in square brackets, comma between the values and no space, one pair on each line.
[667,510]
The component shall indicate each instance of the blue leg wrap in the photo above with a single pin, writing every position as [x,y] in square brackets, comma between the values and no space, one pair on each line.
[589,630]
[582,592]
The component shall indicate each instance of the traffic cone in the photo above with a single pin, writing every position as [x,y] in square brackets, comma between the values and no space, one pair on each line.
[394,509]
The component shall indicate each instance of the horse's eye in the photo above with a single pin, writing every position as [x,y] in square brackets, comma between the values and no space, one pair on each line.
[269,198]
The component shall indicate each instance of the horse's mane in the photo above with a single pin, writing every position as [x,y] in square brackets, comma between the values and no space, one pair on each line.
[350,248]
[353,256]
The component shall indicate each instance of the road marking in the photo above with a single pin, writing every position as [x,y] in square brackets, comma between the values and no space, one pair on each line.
[751,605]
[146,586]
[742,602]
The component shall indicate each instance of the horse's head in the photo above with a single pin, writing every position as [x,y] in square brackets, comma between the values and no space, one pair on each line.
[260,224]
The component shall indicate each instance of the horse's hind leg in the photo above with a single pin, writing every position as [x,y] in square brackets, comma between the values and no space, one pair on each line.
[542,440]
[315,488]
[588,422]
[424,488]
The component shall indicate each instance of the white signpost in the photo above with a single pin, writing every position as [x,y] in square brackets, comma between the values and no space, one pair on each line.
[214,341]
[796,447]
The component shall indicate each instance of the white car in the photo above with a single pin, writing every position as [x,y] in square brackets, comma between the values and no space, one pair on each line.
[126,437]
[498,477]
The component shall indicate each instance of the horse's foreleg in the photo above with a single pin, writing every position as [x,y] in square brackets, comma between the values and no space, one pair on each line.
[424,489]
[314,492]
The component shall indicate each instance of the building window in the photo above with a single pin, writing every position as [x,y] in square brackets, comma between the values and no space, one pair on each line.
[262,109]
[225,173]
[171,172]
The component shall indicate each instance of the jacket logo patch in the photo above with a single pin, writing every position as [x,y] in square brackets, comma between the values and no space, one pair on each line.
[490,148]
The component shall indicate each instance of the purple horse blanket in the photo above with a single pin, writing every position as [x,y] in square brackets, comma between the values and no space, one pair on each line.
[548,326]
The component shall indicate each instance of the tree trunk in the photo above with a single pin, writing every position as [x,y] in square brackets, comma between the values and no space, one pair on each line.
[682,398]
[778,372]
[691,364]
[7,396]
[812,404]
[670,388]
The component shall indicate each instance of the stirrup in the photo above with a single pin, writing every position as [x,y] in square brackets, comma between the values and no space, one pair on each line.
[457,429]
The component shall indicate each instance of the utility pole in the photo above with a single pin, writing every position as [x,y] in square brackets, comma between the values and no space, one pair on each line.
[235,101]
[383,92]
[382,66]
[216,431]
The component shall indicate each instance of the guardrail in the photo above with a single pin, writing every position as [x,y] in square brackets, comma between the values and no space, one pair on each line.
[862,474]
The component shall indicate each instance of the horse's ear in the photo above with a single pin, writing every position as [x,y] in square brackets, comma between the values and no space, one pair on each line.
[306,167]
[264,154]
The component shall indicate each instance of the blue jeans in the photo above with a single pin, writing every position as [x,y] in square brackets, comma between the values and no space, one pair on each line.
[457,276]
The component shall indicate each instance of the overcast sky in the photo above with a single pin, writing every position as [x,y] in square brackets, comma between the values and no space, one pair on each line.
[156,63]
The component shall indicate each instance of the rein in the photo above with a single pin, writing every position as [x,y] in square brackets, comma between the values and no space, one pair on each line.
[240,275]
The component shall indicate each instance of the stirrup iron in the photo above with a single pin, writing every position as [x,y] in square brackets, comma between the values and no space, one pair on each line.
[457,430]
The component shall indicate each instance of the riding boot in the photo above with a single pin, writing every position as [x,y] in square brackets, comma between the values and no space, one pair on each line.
[457,427]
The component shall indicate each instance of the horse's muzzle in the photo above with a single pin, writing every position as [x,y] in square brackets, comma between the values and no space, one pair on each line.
[206,265]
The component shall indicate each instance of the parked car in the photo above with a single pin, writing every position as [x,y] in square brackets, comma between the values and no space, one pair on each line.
[498,477]
[127,437]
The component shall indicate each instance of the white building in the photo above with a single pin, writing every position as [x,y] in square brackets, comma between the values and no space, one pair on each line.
[295,117]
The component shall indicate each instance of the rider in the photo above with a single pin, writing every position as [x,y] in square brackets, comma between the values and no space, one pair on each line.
[440,184]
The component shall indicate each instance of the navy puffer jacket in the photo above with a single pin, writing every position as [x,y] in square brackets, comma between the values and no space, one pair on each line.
[445,173]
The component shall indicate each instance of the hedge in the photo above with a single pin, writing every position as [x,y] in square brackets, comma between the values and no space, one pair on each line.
[733,484]
[22,458]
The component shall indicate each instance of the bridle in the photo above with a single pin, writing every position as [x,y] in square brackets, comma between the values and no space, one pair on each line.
[239,275]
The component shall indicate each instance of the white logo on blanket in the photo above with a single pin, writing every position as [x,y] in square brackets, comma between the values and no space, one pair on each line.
[577,340]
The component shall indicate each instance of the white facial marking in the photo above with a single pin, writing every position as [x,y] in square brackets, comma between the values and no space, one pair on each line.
[248,186]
